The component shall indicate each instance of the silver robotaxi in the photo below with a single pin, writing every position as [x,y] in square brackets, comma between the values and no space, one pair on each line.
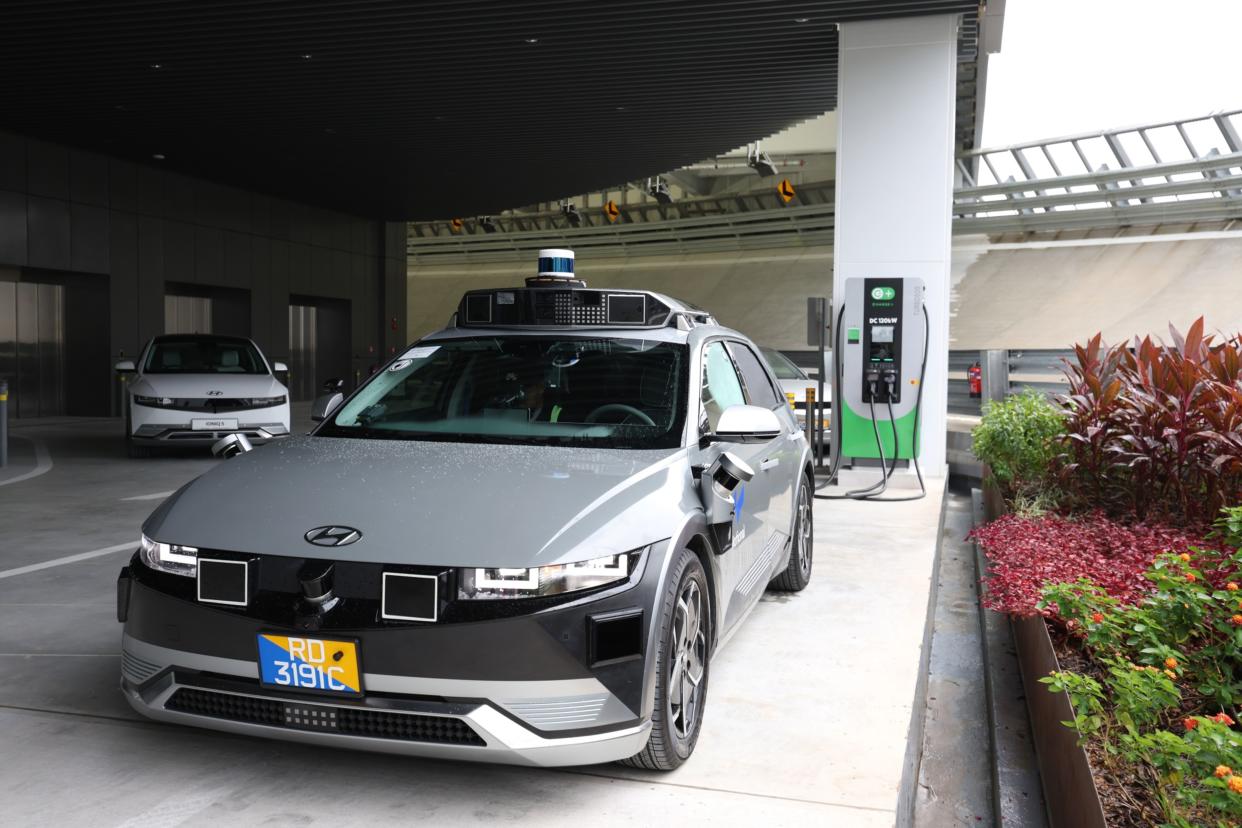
[523,540]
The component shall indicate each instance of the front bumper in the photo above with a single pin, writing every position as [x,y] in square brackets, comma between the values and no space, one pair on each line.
[417,727]
[520,690]
[169,427]
[185,435]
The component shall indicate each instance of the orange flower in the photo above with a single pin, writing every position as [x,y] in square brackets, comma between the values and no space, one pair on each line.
[1171,663]
[1223,770]
[1231,586]
[1189,723]
[1190,576]
[1236,620]
[1235,784]
[1097,617]
[1222,718]
[1185,556]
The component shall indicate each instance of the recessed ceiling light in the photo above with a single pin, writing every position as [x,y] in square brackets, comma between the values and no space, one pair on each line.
[157,66]
[532,40]
[802,20]
[159,156]
[307,56]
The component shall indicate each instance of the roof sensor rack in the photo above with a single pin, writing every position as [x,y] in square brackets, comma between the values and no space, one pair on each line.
[556,298]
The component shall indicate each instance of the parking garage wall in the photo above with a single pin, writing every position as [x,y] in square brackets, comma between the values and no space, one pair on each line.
[67,215]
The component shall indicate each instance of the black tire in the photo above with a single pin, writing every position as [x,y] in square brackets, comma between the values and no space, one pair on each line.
[802,546]
[135,451]
[671,742]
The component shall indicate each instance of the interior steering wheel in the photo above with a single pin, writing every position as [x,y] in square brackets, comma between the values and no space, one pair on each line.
[630,411]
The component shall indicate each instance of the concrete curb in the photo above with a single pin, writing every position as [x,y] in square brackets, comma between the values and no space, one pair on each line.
[908,789]
[1017,791]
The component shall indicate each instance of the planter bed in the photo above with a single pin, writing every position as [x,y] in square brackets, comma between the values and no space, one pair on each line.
[1082,787]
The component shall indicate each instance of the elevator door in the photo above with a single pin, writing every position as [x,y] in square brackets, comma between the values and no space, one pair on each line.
[32,347]
[187,314]
[302,352]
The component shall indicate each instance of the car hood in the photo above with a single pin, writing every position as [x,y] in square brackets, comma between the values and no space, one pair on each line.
[432,503]
[197,385]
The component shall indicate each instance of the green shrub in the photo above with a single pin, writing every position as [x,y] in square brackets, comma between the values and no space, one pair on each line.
[1019,439]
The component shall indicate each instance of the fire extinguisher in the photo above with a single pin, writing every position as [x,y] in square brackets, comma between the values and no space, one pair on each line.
[975,375]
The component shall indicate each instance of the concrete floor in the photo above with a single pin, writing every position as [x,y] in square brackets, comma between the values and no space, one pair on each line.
[807,722]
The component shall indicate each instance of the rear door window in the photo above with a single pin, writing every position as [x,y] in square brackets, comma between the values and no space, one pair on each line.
[759,390]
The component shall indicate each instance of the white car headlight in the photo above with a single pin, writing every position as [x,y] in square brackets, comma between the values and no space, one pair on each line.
[169,557]
[488,584]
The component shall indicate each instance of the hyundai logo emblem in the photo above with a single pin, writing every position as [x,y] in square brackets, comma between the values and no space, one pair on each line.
[332,535]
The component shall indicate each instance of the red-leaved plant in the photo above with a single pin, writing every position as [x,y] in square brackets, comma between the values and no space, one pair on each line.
[1155,430]
[1025,554]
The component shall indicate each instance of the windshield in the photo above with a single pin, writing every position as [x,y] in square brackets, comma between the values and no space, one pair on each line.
[598,392]
[782,366]
[204,355]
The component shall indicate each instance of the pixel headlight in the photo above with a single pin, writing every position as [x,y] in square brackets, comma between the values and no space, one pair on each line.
[484,584]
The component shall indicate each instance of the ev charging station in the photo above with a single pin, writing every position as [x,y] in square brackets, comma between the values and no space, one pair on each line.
[881,347]
[879,367]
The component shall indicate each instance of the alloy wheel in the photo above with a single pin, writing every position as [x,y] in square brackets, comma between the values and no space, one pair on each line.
[806,535]
[685,676]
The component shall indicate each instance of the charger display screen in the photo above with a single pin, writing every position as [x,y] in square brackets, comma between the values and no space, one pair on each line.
[882,309]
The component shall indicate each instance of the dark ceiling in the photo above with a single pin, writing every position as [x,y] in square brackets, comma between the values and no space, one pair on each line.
[407,110]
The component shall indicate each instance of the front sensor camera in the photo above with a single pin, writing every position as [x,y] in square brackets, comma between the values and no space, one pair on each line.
[731,470]
[231,445]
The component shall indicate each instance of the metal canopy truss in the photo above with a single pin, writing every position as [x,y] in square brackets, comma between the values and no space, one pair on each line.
[807,226]
[1173,171]
[1189,173]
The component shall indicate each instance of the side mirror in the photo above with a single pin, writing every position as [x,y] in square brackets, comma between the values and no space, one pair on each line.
[280,368]
[333,384]
[325,404]
[125,366]
[745,424]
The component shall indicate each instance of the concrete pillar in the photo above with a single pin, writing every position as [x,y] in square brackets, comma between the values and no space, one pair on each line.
[895,121]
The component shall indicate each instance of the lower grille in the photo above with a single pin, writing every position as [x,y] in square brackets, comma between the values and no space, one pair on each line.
[227,706]
[407,726]
[352,721]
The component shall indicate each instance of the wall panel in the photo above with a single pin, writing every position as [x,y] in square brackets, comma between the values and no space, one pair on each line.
[143,226]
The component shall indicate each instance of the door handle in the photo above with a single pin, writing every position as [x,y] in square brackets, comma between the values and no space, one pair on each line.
[769,463]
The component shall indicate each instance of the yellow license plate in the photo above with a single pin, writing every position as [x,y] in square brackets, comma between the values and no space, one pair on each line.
[318,664]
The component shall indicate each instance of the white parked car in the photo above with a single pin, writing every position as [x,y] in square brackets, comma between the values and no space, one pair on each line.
[795,381]
[193,389]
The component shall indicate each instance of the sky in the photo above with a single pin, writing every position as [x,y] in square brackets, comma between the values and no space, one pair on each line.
[1068,66]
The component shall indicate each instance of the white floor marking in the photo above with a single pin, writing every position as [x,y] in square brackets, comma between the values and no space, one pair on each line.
[155,496]
[43,460]
[68,559]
